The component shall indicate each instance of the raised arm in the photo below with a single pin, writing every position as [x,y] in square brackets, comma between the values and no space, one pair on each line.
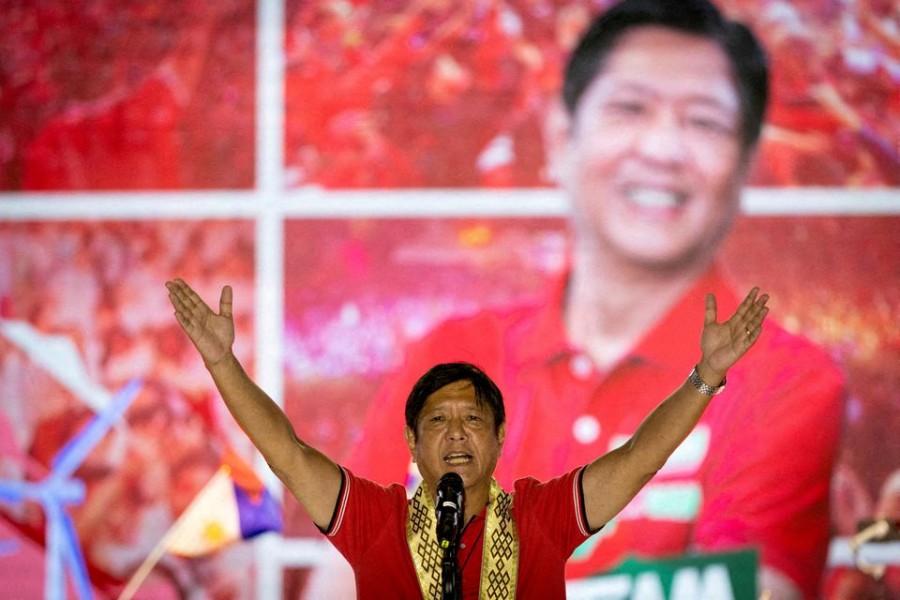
[612,480]
[310,475]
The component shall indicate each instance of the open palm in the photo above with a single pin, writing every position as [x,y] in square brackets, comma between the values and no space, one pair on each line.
[724,343]
[211,333]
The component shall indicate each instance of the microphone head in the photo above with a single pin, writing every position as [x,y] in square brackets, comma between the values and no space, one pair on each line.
[450,482]
[450,508]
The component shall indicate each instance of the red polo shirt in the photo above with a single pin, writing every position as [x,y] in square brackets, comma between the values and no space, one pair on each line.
[369,529]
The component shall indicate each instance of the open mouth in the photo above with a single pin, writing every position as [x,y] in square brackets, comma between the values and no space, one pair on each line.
[457,458]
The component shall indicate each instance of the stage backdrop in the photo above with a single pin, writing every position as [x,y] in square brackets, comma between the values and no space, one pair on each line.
[359,172]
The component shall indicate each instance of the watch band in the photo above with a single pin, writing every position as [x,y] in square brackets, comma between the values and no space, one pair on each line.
[703,387]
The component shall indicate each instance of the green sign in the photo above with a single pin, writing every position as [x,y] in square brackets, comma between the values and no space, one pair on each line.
[726,576]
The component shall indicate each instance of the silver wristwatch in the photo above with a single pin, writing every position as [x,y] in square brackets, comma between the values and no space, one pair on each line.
[703,387]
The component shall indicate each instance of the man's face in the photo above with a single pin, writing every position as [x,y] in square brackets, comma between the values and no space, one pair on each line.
[652,160]
[455,433]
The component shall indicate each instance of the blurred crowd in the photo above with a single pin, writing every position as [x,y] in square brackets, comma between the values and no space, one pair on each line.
[98,288]
[127,96]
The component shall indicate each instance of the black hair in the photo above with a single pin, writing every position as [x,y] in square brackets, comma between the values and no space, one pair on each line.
[440,375]
[749,64]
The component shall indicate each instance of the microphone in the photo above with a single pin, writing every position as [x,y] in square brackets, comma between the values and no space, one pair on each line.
[450,509]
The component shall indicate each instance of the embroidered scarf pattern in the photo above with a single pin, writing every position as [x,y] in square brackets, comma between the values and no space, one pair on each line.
[500,562]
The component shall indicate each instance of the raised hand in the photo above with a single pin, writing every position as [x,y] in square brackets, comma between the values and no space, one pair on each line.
[724,343]
[211,333]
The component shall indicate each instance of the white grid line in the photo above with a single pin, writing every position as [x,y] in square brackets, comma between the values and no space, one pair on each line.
[317,203]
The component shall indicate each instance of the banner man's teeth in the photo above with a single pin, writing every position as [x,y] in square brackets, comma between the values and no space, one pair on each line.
[654,198]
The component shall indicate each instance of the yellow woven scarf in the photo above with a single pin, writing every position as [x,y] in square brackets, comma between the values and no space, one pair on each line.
[500,562]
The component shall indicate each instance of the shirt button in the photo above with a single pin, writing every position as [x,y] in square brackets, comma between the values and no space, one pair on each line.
[581,366]
[586,429]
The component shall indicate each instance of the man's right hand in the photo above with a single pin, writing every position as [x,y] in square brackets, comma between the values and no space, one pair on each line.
[211,333]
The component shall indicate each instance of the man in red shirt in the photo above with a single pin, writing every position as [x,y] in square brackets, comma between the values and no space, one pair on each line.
[549,524]
[456,423]
[652,142]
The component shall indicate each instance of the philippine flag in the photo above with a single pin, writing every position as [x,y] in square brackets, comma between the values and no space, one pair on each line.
[234,505]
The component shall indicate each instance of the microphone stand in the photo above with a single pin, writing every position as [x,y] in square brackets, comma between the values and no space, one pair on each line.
[451,575]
